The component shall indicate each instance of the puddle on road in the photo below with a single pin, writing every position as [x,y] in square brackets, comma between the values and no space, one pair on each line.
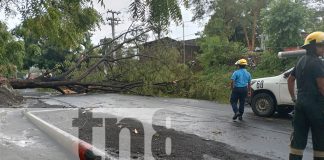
[20,141]
[3,114]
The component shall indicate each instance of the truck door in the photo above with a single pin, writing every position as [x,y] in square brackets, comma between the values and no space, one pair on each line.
[283,89]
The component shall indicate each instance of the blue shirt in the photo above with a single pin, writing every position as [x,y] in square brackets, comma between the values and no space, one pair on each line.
[241,78]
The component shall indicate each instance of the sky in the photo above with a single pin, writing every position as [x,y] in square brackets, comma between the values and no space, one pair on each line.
[175,32]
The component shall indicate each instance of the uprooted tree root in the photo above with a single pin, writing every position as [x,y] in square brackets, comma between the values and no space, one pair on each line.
[8,96]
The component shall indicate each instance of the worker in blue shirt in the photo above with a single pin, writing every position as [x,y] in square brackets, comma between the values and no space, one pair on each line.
[240,86]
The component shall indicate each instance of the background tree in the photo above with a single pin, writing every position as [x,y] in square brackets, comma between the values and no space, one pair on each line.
[283,22]
[237,20]
[59,30]
[225,19]
[157,13]
[11,52]
[316,22]
[250,20]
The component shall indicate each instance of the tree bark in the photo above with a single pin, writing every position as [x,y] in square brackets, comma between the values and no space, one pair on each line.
[247,38]
[254,28]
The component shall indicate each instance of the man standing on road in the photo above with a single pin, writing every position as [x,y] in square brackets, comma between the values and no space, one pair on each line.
[309,108]
[240,85]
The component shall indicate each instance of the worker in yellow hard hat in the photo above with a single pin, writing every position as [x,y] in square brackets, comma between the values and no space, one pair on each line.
[240,85]
[309,108]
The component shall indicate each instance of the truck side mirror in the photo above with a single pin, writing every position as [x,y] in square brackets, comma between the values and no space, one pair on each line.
[286,75]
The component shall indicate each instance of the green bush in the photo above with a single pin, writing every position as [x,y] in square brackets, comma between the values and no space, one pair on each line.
[163,67]
[270,64]
[212,85]
[219,52]
[217,60]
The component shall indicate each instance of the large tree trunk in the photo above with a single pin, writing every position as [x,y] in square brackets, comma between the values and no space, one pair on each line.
[67,86]
[247,38]
[254,27]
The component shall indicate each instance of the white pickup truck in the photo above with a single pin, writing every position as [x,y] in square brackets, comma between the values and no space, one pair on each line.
[270,95]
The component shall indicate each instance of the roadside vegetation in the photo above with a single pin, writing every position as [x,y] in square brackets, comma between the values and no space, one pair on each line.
[226,39]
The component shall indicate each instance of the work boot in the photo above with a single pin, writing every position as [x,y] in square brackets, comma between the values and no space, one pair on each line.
[236,115]
[240,118]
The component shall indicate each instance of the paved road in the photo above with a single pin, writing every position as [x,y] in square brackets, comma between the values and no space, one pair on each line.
[211,121]
[21,140]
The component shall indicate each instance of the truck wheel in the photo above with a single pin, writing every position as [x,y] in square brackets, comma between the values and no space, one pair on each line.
[263,105]
[283,110]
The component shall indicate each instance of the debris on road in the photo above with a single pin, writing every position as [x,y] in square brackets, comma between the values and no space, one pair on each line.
[8,96]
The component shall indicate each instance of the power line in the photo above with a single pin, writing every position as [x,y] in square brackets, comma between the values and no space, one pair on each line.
[184,43]
[113,21]
[178,38]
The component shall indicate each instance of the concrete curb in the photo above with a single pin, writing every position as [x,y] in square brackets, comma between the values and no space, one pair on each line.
[77,147]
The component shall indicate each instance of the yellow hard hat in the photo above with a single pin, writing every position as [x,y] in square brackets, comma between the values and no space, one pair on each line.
[314,38]
[241,62]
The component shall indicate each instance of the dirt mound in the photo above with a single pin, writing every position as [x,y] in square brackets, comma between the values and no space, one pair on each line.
[8,96]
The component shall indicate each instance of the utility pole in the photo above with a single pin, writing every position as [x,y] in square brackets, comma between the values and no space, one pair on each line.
[184,44]
[113,21]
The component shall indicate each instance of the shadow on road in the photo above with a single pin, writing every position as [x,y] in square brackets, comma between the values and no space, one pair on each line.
[283,116]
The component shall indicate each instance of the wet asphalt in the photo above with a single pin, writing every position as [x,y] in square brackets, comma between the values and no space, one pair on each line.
[267,137]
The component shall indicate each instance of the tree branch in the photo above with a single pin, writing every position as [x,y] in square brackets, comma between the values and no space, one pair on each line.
[86,73]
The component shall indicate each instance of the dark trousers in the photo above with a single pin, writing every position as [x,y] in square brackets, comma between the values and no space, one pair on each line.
[238,94]
[309,115]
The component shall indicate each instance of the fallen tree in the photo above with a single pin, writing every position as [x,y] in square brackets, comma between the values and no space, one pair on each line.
[67,83]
